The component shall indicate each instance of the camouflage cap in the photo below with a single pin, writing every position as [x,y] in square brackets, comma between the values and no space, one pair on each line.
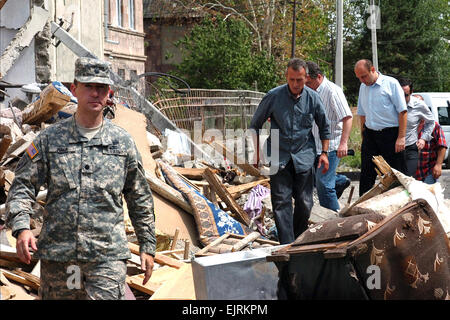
[90,70]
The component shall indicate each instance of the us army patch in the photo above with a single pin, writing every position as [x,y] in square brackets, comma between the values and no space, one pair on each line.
[32,150]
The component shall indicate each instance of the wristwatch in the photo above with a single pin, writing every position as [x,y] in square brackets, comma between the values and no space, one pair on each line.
[326,152]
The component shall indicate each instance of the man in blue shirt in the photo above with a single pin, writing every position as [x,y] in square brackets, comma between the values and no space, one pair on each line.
[292,109]
[383,115]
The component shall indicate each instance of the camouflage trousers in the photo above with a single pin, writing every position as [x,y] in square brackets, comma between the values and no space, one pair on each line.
[83,280]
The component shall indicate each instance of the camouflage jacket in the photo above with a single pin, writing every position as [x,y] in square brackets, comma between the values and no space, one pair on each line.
[85,179]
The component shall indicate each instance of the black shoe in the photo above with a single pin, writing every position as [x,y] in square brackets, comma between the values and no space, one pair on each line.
[341,190]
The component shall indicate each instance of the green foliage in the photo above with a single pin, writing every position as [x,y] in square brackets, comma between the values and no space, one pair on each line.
[218,53]
[411,43]
[354,142]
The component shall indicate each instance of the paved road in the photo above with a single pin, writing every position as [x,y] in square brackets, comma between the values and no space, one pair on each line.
[445,183]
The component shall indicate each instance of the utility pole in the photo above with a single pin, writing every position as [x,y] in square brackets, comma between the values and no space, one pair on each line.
[339,59]
[373,24]
[294,18]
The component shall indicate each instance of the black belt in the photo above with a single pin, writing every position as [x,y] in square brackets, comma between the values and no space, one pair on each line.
[382,130]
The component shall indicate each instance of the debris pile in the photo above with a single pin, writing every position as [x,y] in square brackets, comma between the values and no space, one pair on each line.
[201,208]
[391,243]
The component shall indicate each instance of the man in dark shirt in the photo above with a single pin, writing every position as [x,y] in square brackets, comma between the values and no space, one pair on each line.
[292,109]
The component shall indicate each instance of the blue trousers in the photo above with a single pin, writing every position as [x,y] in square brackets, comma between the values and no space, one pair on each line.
[285,185]
[327,183]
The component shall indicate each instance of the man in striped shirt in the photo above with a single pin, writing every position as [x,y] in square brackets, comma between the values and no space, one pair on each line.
[330,185]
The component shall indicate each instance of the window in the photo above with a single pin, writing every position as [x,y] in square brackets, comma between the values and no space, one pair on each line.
[131,14]
[133,75]
[119,13]
[121,73]
[444,117]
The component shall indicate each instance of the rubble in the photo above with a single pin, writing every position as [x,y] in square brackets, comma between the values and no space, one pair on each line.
[206,208]
[391,243]
[180,234]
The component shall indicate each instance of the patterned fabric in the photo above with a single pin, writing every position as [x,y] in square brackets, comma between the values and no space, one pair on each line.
[253,206]
[404,256]
[85,181]
[339,229]
[428,155]
[73,280]
[412,251]
[211,221]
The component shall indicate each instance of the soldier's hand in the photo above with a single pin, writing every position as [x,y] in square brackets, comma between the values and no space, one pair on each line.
[147,262]
[24,241]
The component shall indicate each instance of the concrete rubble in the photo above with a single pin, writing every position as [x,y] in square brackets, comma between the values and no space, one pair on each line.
[237,206]
[216,235]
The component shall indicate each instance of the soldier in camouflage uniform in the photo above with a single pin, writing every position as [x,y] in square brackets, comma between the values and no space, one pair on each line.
[87,163]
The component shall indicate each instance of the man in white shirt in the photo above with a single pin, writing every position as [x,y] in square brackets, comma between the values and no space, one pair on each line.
[383,115]
[329,185]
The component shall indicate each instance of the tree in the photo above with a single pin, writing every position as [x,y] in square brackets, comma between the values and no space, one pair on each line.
[218,53]
[411,43]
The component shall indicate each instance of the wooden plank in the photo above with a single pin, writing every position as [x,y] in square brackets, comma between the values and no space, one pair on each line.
[186,249]
[6,293]
[226,197]
[245,187]
[2,3]
[191,173]
[212,244]
[244,242]
[169,193]
[159,258]
[179,287]
[136,283]
[241,163]
[30,277]
[262,241]
[9,253]
[20,278]
[175,239]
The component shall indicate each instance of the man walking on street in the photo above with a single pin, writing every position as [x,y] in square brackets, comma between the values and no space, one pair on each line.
[293,108]
[431,156]
[383,116]
[417,111]
[330,185]
[87,163]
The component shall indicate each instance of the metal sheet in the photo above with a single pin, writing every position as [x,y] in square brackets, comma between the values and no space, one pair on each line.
[243,275]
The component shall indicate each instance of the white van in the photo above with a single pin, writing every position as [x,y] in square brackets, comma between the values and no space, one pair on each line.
[439,102]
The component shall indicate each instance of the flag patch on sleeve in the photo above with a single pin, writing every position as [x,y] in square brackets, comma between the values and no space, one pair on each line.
[32,150]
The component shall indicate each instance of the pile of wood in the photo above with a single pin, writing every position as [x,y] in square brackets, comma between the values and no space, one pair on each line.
[177,235]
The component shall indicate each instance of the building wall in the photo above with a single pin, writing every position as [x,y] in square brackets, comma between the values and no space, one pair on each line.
[124,45]
[13,16]
[87,28]
[161,36]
